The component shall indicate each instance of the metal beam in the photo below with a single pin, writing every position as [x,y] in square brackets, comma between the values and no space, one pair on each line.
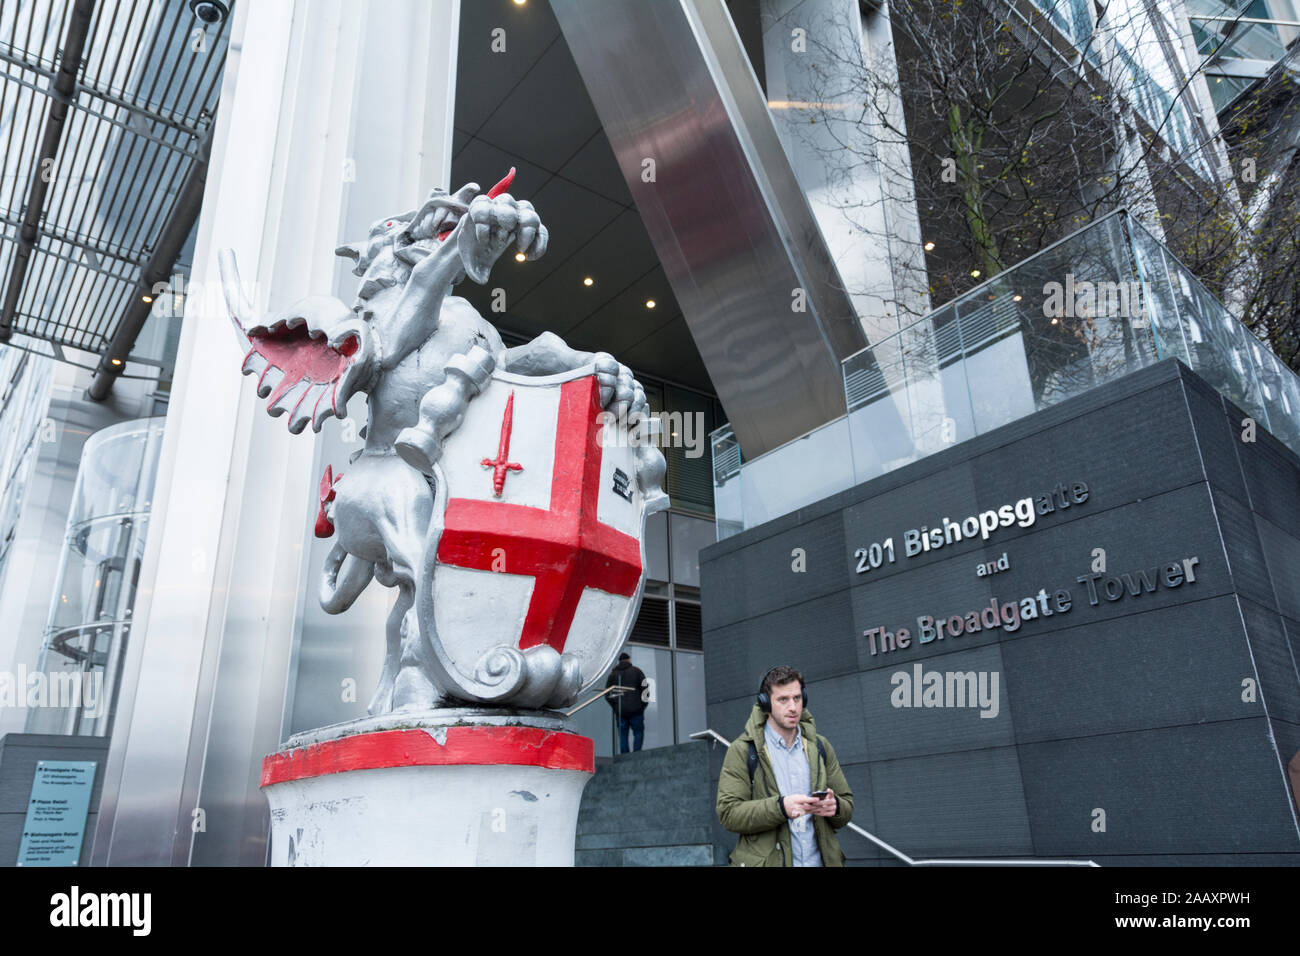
[728,220]
[79,262]
[82,242]
[177,229]
[91,90]
[1264,20]
[104,117]
[49,348]
[65,89]
[1240,67]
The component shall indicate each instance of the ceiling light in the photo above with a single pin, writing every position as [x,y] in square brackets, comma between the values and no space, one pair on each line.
[1053,321]
[649,303]
[588,281]
[116,361]
[929,246]
[520,257]
[1016,298]
[974,273]
[146,298]
[520,3]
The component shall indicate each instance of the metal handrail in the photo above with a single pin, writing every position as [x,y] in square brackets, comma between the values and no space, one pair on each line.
[570,713]
[702,734]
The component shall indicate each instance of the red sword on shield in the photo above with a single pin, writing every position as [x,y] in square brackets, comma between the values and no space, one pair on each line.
[502,463]
[564,547]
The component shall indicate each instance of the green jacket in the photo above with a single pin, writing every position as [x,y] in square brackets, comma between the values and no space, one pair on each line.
[757,816]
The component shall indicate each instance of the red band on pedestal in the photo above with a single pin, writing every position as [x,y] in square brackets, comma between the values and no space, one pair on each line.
[465,746]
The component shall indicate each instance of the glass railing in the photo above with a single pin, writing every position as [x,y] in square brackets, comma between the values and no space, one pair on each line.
[785,479]
[1104,302]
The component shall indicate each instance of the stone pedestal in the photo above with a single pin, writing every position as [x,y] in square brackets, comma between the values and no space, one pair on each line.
[450,788]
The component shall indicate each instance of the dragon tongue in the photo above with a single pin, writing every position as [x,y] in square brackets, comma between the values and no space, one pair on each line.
[502,186]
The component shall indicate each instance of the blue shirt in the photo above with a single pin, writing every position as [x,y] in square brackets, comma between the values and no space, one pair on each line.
[790,764]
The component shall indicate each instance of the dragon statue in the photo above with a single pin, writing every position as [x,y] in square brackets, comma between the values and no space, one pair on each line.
[421,355]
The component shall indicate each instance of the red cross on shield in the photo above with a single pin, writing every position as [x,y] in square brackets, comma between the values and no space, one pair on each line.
[551,555]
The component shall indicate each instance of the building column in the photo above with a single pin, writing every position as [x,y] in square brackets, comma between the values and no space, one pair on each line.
[728,218]
[820,59]
[333,114]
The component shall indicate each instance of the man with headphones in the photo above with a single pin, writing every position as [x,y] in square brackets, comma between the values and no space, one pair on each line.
[781,787]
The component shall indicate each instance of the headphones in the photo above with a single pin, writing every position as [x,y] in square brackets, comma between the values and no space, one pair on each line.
[765,699]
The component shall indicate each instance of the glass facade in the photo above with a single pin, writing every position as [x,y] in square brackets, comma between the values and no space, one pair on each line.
[1147,66]
[26,384]
[1146,35]
[1242,40]
[75,256]
[1104,302]
[1072,17]
[667,640]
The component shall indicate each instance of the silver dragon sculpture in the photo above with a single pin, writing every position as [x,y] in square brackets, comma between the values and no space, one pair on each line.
[402,338]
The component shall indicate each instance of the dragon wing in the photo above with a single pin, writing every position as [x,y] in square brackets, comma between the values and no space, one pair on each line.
[309,358]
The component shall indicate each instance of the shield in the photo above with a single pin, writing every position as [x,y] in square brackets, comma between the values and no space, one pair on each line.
[535,561]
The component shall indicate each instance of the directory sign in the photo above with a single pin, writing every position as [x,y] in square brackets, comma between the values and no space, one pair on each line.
[56,813]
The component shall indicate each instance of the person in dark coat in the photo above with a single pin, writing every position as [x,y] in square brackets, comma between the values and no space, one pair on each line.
[629,706]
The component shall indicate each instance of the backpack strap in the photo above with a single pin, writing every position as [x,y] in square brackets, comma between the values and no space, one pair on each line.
[752,759]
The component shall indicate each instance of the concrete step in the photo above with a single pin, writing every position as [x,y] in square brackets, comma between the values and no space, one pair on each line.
[652,808]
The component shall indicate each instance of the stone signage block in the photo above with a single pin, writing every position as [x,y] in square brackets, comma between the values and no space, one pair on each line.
[1074,636]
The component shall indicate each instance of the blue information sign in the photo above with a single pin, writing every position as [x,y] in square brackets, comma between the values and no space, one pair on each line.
[56,813]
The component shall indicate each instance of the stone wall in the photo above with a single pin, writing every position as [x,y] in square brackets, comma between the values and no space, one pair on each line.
[1167,716]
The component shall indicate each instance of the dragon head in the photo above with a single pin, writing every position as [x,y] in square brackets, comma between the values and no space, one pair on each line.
[311,357]
[396,244]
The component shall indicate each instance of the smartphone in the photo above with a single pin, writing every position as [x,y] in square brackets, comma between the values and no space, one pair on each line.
[820,794]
